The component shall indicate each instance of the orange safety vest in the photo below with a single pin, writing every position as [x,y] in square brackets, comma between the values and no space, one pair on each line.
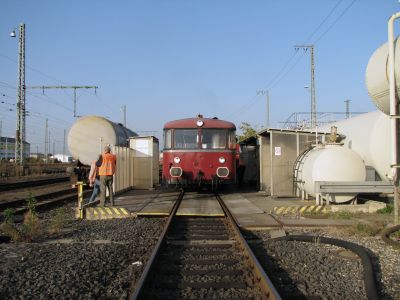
[108,165]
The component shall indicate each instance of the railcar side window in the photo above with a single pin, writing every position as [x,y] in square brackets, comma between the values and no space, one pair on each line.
[167,138]
[214,139]
[185,139]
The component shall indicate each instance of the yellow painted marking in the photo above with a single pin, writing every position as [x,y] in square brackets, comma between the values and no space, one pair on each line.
[152,214]
[303,209]
[124,211]
[116,210]
[102,212]
[108,210]
[299,209]
[95,212]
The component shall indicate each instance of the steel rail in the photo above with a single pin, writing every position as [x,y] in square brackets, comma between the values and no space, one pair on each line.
[265,283]
[149,264]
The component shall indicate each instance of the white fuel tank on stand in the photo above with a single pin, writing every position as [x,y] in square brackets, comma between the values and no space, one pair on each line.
[329,162]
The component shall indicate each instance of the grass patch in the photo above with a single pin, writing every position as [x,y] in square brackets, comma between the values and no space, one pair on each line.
[366,229]
[58,221]
[30,228]
[387,210]
[344,215]
[7,227]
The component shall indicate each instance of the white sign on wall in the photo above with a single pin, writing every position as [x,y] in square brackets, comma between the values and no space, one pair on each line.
[278,151]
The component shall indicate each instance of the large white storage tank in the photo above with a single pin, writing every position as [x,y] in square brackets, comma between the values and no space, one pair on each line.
[89,134]
[368,135]
[377,75]
[330,162]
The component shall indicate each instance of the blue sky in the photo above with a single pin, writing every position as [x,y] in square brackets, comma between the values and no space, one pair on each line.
[173,59]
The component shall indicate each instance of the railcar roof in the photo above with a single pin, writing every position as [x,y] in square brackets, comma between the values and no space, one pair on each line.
[207,123]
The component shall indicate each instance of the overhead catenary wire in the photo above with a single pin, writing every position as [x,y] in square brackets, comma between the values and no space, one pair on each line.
[289,64]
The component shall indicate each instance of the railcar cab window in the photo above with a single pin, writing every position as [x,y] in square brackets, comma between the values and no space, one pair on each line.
[186,139]
[213,139]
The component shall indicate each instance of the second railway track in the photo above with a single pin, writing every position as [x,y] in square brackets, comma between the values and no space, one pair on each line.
[16,185]
[203,257]
[47,193]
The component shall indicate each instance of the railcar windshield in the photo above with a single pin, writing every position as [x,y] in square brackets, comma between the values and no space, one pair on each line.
[186,139]
[203,139]
[217,139]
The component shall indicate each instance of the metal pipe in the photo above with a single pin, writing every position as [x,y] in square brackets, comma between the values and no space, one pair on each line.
[393,112]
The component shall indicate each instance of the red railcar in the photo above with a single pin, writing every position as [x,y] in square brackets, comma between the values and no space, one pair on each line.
[199,151]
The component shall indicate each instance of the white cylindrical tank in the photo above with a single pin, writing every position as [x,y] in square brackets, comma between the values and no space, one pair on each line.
[89,134]
[330,162]
[368,135]
[377,76]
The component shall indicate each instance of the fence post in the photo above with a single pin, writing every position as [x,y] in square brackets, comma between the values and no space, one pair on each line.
[79,185]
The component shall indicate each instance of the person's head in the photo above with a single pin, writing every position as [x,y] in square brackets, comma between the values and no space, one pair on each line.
[107,149]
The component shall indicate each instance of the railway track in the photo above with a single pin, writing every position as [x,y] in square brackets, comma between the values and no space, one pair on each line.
[203,257]
[16,185]
[48,193]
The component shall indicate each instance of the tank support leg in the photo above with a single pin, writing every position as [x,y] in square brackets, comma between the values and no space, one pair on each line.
[318,199]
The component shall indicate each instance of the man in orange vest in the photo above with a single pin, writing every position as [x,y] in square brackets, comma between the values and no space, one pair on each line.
[106,172]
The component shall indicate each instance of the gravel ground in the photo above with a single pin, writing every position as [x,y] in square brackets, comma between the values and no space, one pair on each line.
[103,259]
[327,271]
[87,260]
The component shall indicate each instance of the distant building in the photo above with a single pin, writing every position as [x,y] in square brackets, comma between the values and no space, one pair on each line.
[62,158]
[7,148]
[37,155]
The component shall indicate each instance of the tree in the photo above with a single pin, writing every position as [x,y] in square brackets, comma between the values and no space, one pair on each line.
[247,131]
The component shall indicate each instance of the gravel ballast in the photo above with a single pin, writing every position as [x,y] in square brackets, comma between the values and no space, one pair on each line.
[104,259]
[300,269]
[87,260]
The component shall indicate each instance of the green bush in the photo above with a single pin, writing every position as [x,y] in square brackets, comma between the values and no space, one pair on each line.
[387,210]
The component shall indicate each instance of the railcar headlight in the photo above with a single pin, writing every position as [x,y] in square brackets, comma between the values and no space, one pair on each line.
[177,160]
[221,160]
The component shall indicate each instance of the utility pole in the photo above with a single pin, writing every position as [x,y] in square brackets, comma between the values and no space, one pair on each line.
[74,87]
[20,130]
[64,146]
[124,111]
[1,143]
[46,140]
[265,92]
[347,108]
[313,98]
[49,143]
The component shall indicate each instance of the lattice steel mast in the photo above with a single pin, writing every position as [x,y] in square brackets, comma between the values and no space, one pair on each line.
[313,98]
